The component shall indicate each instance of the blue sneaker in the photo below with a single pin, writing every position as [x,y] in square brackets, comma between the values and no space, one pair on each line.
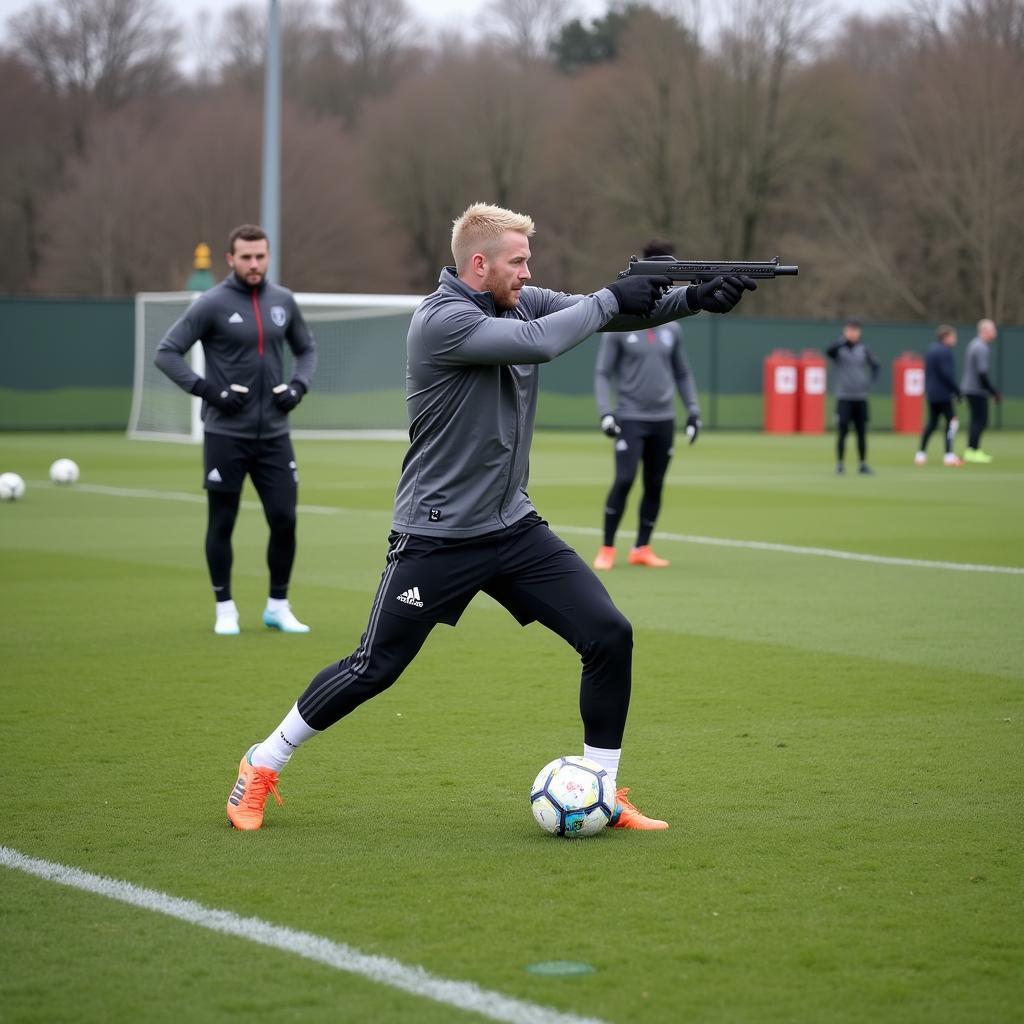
[284,620]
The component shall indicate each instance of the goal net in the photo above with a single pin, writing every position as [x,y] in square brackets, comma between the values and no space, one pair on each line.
[359,387]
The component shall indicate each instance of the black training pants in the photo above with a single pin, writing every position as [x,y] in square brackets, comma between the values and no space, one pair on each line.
[935,411]
[526,568]
[852,411]
[979,419]
[650,442]
[270,464]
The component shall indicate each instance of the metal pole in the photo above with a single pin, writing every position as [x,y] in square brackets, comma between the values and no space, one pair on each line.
[270,202]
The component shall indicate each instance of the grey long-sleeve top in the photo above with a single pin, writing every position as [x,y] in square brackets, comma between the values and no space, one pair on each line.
[646,367]
[471,394]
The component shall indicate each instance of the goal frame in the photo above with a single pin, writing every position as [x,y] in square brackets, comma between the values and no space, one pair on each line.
[307,302]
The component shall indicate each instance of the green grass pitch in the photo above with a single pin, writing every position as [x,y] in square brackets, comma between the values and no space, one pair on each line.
[838,746]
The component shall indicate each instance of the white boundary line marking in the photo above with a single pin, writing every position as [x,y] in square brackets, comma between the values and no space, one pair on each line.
[590,531]
[793,549]
[463,995]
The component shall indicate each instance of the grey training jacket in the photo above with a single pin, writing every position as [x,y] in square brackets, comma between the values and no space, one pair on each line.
[856,369]
[471,394]
[976,363]
[243,331]
[644,365]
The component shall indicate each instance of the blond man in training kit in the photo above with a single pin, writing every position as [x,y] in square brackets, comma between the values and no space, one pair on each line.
[244,323]
[463,521]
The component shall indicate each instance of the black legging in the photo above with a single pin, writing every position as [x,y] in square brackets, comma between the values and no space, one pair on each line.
[936,410]
[537,578]
[855,411]
[650,441]
[279,509]
[979,419]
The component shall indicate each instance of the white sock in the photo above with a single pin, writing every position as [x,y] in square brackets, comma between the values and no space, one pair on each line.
[226,610]
[607,759]
[277,749]
[277,604]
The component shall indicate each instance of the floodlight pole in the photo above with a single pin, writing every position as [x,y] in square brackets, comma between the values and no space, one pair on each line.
[270,202]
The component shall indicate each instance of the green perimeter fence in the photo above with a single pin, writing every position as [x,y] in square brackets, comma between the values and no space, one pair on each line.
[68,365]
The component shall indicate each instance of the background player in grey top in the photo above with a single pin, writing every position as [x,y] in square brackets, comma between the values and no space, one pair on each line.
[646,369]
[463,520]
[244,323]
[856,370]
[977,386]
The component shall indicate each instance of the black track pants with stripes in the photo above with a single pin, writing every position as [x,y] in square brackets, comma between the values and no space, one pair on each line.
[530,571]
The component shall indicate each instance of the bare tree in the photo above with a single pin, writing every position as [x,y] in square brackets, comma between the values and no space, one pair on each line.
[528,27]
[644,110]
[110,50]
[30,170]
[748,122]
[959,140]
[242,37]
[372,36]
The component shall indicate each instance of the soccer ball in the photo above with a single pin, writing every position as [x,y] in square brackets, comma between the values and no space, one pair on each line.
[12,487]
[64,471]
[572,797]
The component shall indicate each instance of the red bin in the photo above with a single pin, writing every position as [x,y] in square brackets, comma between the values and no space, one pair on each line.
[811,394]
[907,393]
[780,392]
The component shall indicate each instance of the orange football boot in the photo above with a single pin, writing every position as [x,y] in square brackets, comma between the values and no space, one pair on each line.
[645,556]
[626,815]
[605,558]
[249,795]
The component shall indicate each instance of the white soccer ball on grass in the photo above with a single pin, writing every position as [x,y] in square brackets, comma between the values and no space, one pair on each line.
[12,487]
[572,796]
[64,471]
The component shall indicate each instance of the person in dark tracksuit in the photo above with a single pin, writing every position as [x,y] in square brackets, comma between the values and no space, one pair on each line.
[977,386]
[646,369]
[856,370]
[941,391]
[463,521]
[244,323]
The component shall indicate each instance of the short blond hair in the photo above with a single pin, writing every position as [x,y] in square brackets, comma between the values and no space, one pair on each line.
[481,226]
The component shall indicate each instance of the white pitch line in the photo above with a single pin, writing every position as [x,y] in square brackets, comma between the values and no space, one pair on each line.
[793,549]
[196,499]
[463,995]
[590,531]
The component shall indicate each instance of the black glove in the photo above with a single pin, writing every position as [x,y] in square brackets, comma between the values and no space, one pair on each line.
[290,396]
[693,425]
[225,400]
[721,294]
[609,426]
[638,294]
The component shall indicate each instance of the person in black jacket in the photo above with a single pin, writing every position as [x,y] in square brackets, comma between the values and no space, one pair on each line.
[942,391]
[244,323]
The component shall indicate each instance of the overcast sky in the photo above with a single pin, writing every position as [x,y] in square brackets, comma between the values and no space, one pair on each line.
[439,14]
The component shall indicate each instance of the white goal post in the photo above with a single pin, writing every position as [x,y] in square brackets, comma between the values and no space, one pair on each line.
[359,386]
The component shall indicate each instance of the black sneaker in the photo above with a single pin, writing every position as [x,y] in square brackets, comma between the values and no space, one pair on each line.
[865,470]
[840,468]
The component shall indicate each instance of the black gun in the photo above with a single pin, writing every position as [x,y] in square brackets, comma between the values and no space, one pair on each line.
[705,270]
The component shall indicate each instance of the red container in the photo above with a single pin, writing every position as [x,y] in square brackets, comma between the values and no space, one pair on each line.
[907,393]
[781,385]
[811,393]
